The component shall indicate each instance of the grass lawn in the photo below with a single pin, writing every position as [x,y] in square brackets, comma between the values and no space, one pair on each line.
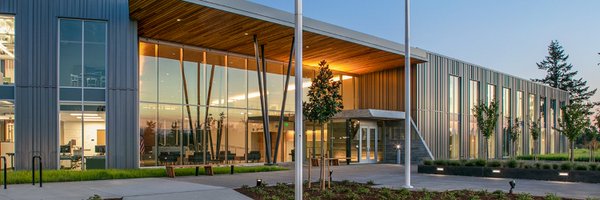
[580,155]
[24,176]
[350,190]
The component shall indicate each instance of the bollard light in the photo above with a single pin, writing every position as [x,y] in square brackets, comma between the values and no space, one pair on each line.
[512,184]
[258,182]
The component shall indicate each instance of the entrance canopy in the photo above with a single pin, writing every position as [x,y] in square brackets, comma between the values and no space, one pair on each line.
[370,114]
[229,25]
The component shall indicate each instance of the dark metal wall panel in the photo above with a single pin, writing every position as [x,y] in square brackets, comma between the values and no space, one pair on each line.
[432,98]
[8,6]
[36,76]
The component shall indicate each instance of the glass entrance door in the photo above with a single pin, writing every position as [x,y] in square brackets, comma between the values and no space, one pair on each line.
[368,145]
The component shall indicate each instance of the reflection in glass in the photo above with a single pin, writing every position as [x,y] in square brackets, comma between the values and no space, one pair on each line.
[275,81]
[543,115]
[454,109]
[94,54]
[148,132]
[553,122]
[169,75]
[237,87]
[491,144]
[169,134]
[474,130]
[506,122]
[7,50]
[148,66]
[218,85]
[194,76]
[532,118]
[70,53]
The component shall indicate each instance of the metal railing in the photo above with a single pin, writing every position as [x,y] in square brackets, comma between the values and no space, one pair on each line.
[33,169]
[4,161]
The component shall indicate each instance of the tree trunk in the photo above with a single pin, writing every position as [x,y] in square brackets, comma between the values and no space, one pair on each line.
[309,169]
[314,140]
[535,150]
[486,156]
[572,151]
[322,157]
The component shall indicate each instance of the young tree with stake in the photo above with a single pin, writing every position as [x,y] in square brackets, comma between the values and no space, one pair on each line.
[487,119]
[535,130]
[572,125]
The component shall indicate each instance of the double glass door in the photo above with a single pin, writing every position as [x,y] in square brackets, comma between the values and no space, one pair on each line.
[368,137]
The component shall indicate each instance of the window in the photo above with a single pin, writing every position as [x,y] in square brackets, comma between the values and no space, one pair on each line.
[82,79]
[532,118]
[506,122]
[491,143]
[542,139]
[520,115]
[454,94]
[553,124]
[7,50]
[474,130]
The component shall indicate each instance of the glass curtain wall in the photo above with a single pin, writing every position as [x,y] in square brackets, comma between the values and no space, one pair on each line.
[454,94]
[82,81]
[199,105]
[542,140]
[532,118]
[474,130]
[553,125]
[520,118]
[506,121]
[491,143]
[7,50]
[561,138]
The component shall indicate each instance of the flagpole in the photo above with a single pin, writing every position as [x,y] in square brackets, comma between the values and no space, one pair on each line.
[407,124]
[298,124]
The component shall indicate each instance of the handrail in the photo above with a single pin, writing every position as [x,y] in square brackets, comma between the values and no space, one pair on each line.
[33,170]
[422,140]
[4,159]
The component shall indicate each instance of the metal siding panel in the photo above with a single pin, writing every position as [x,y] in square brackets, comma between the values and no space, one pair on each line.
[8,6]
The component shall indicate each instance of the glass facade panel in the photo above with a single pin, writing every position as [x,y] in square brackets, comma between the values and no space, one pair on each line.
[236,82]
[454,95]
[520,117]
[94,60]
[532,118]
[543,124]
[82,137]
[218,84]
[491,143]
[506,121]
[170,89]
[169,129]
[553,125]
[148,72]
[275,81]
[474,130]
[148,130]
[7,131]
[7,50]
[70,56]
[193,67]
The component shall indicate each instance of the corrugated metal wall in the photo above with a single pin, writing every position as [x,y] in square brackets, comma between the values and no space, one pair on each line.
[432,105]
[36,78]
[384,89]
[8,6]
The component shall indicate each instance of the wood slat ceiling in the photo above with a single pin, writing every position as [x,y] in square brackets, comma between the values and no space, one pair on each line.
[216,29]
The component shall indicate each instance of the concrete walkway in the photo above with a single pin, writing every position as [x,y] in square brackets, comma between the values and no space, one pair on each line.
[129,189]
[392,176]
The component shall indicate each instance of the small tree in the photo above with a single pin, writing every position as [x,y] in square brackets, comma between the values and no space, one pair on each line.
[324,101]
[591,141]
[487,119]
[513,130]
[535,130]
[573,123]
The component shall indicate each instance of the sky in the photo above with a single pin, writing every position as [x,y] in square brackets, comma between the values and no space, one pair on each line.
[510,36]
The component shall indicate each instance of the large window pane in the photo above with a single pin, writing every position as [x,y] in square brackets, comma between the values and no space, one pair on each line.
[194,76]
[169,75]
[553,122]
[491,143]
[454,94]
[218,84]
[169,134]
[520,117]
[70,54]
[532,118]
[7,50]
[474,129]
[543,115]
[7,130]
[506,122]
[95,54]
[236,135]
[274,84]
[148,130]
[236,82]
[148,65]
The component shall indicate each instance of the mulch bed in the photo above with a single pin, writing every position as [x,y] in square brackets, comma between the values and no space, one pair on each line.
[351,190]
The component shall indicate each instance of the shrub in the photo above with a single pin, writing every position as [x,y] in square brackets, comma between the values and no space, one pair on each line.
[440,162]
[370,182]
[470,163]
[555,166]
[547,166]
[454,163]
[551,196]
[352,195]
[538,165]
[581,167]
[527,166]
[566,166]
[524,196]
[480,162]
[593,166]
[512,164]
[428,162]
[494,164]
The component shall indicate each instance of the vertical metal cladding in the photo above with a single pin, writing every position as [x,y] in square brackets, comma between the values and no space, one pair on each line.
[8,6]
[36,104]
[432,106]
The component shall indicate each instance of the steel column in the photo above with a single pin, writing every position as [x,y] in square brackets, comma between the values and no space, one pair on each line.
[407,117]
[298,123]
[285,91]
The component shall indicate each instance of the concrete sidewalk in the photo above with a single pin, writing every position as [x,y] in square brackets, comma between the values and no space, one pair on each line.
[392,176]
[129,189]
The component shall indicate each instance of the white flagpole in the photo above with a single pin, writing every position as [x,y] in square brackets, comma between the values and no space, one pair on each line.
[407,124]
[298,124]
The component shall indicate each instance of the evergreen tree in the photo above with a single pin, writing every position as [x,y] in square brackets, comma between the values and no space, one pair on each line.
[560,74]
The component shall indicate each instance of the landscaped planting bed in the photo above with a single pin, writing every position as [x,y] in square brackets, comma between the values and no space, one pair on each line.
[351,190]
[581,155]
[565,171]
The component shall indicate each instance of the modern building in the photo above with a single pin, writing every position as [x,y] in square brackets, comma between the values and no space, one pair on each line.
[138,83]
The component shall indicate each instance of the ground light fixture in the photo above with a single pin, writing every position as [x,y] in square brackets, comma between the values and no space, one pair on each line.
[496,171]
[512,184]
[563,173]
[440,169]
[258,182]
